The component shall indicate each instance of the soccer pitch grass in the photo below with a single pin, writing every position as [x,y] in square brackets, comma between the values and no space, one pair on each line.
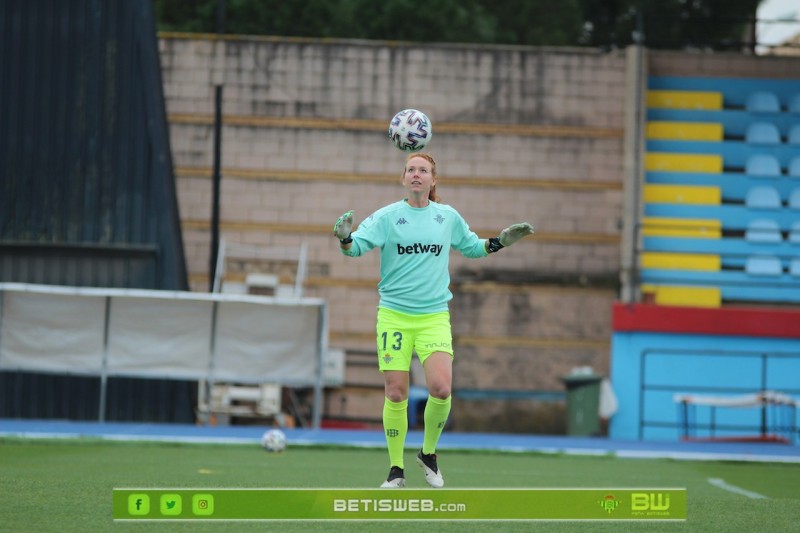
[58,485]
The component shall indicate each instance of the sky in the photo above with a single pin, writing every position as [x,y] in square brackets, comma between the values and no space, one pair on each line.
[775,33]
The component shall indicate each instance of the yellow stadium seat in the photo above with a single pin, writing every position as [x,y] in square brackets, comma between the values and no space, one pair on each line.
[682,194]
[694,228]
[684,100]
[669,162]
[684,296]
[679,261]
[685,131]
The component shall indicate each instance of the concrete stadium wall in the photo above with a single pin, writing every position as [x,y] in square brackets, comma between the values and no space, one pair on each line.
[723,65]
[520,134]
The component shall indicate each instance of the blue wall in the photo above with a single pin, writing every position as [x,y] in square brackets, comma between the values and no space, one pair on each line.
[708,365]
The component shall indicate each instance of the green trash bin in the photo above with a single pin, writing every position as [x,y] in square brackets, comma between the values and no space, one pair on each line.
[583,403]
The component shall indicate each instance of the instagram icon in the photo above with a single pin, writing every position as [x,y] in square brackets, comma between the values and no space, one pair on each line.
[203,504]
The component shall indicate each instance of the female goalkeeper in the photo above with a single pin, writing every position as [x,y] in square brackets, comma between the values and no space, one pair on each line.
[414,236]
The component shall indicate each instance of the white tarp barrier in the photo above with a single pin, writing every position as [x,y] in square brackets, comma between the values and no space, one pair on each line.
[160,337]
[164,334]
[52,332]
[268,345]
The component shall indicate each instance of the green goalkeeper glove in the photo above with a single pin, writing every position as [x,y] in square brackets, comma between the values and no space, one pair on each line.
[515,232]
[343,228]
[509,236]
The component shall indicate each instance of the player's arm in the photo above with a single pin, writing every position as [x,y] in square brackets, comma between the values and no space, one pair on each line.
[508,236]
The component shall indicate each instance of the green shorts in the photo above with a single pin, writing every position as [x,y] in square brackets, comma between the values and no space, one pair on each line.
[400,334]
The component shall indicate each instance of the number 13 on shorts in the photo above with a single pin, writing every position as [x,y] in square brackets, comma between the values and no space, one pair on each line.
[392,351]
[397,345]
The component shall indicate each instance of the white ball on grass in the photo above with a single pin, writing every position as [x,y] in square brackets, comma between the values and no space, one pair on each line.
[273,440]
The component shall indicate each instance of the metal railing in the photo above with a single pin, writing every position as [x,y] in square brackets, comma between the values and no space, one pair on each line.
[758,383]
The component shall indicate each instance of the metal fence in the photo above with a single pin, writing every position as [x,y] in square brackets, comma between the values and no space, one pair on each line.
[723,375]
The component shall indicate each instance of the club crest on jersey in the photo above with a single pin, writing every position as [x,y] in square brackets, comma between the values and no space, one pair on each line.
[387,358]
[439,218]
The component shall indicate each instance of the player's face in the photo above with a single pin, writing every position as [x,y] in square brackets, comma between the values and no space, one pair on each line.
[418,177]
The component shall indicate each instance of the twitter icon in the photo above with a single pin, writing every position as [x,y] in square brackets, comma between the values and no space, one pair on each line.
[171,504]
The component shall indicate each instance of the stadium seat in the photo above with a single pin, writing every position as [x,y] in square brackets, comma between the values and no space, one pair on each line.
[763,230]
[765,165]
[763,102]
[764,198]
[794,199]
[763,265]
[794,104]
[794,233]
[762,133]
[794,167]
[794,267]
[794,134]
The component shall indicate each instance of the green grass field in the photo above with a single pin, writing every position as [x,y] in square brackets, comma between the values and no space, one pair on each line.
[67,485]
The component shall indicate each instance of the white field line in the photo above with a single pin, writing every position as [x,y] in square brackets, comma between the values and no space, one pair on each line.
[717,482]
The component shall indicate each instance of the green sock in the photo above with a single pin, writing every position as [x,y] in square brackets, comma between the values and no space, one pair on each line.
[436,413]
[395,427]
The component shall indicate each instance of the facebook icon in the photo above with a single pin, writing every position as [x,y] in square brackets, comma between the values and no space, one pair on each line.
[138,504]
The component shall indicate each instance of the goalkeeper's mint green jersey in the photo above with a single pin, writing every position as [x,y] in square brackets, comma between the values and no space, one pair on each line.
[415,253]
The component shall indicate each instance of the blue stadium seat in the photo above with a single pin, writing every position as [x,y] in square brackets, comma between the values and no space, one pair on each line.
[763,230]
[763,265]
[794,134]
[794,104]
[762,197]
[763,102]
[763,165]
[794,167]
[794,233]
[794,199]
[794,267]
[762,133]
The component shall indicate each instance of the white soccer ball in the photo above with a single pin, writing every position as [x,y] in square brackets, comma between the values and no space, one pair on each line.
[273,440]
[410,130]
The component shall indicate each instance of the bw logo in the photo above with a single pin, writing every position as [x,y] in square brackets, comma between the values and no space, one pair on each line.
[401,221]
[439,219]
[654,501]
[392,433]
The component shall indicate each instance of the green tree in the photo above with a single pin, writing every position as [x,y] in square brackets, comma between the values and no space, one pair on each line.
[672,24]
[535,22]
[676,24]
[466,21]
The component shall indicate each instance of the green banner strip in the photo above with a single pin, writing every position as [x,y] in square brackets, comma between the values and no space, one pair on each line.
[403,504]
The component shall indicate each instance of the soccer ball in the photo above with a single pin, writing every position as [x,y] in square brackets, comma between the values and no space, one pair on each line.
[410,130]
[273,440]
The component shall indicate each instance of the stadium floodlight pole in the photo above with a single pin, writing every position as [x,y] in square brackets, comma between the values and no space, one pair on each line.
[634,170]
[217,180]
[216,176]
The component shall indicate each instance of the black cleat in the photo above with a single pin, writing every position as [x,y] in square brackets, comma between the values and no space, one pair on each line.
[395,480]
[432,473]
